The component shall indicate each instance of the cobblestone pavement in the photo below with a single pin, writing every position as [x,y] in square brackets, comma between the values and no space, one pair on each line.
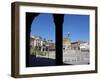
[76,57]
[71,56]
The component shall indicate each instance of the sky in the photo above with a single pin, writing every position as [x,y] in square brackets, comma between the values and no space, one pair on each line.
[43,26]
[76,25]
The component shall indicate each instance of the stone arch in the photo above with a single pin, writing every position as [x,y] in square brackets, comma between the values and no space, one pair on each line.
[29,18]
[58,21]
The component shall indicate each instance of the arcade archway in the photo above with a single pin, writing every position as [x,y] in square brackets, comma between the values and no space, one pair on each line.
[58,20]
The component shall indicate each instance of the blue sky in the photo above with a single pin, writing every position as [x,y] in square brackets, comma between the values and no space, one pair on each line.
[43,26]
[77,25]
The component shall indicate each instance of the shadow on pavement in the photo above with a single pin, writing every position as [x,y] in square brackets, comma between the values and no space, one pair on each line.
[40,61]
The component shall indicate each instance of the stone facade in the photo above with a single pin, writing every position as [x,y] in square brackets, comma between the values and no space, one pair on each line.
[66,44]
[40,44]
[80,45]
[75,45]
[84,46]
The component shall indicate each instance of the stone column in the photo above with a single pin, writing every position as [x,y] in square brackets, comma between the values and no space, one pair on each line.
[29,18]
[58,21]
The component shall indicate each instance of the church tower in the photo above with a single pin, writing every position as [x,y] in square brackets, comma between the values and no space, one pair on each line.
[66,42]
